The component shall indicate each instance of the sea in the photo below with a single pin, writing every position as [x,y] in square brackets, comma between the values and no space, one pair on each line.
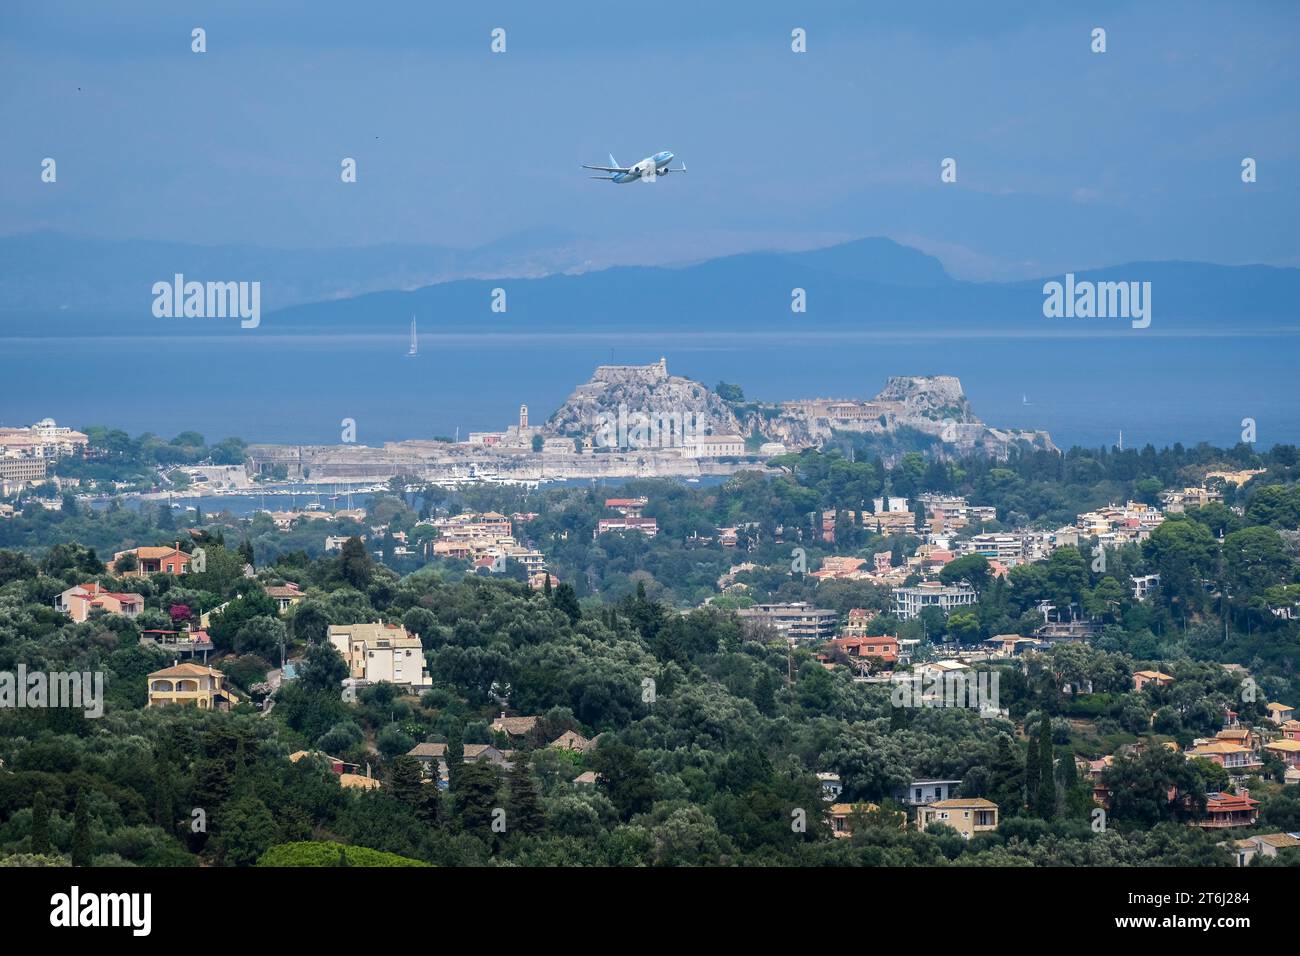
[1085,389]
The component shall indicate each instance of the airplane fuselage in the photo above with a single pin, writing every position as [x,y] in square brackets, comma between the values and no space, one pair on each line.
[648,168]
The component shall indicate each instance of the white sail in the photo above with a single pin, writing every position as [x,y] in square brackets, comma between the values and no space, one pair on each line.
[415,345]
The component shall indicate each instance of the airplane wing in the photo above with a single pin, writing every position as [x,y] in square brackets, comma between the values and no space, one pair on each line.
[609,169]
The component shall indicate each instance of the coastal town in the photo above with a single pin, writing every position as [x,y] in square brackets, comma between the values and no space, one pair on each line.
[922,599]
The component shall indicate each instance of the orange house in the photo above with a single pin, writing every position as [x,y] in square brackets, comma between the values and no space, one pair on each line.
[1225,810]
[883,647]
[78,602]
[1227,754]
[151,561]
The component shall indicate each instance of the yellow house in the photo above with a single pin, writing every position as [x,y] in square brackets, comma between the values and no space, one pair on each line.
[1288,751]
[841,816]
[286,596]
[190,685]
[1142,678]
[967,816]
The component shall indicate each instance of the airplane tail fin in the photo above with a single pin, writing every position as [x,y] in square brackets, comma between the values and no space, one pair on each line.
[612,160]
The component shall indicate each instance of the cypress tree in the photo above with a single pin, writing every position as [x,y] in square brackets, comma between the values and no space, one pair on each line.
[475,798]
[1045,804]
[429,809]
[40,824]
[164,794]
[455,754]
[1067,773]
[566,599]
[546,587]
[1032,776]
[1007,786]
[81,832]
[404,781]
[525,806]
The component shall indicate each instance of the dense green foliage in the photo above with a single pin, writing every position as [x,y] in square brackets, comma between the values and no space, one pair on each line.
[709,742]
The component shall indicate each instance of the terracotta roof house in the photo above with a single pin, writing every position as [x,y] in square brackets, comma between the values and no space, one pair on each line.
[285,595]
[836,566]
[1287,750]
[1267,844]
[79,601]
[884,648]
[572,740]
[1228,754]
[431,755]
[190,685]
[1142,678]
[514,726]
[151,561]
[1100,792]
[1224,810]
[966,815]
[1241,735]
[355,781]
[858,621]
[1280,713]
[841,817]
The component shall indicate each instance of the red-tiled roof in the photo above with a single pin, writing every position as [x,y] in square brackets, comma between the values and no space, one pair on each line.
[1228,802]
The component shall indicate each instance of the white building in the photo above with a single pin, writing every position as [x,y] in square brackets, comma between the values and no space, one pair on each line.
[1144,586]
[714,446]
[909,602]
[381,653]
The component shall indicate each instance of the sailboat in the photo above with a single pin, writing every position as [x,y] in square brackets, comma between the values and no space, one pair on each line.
[1024,399]
[414,350]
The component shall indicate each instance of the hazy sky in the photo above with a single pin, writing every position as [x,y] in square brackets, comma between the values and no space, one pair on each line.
[1066,158]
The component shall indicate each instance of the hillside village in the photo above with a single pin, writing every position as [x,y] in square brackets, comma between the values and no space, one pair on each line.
[959,666]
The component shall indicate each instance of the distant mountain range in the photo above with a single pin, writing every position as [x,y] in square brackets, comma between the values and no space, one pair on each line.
[54,285]
[47,272]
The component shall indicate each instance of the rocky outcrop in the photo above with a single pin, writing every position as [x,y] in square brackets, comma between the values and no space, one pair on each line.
[603,413]
[622,392]
[933,406]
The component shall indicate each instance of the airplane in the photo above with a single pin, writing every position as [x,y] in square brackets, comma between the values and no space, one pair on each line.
[648,169]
